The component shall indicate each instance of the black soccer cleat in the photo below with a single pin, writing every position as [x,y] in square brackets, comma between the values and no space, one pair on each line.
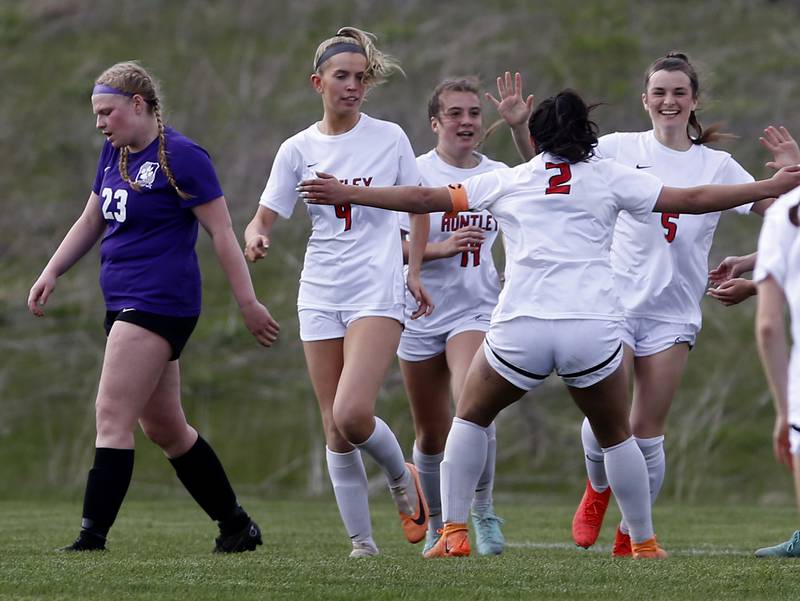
[246,539]
[86,541]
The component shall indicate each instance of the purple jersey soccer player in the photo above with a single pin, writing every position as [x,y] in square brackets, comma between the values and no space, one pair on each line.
[152,187]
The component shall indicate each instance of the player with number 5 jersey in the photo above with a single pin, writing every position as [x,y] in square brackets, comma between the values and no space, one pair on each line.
[351,299]
[559,310]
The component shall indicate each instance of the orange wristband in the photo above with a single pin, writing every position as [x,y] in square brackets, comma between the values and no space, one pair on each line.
[458,196]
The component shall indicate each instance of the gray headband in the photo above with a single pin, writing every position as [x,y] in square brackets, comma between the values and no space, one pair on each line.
[338,48]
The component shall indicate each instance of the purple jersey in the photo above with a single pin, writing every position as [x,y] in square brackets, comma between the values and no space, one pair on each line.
[147,256]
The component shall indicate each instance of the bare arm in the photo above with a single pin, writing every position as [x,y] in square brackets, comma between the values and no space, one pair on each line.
[774,353]
[420,228]
[711,198]
[327,190]
[82,236]
[257,232]
[463,239]
[216,220]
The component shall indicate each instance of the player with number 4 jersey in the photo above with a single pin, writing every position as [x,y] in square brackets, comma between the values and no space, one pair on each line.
[351,299]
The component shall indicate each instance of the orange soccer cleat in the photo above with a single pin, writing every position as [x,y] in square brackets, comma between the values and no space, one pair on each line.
[589,516]
[415,524]
[454,542]
[648,549]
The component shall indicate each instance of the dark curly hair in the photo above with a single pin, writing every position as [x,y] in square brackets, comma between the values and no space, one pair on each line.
[561,126]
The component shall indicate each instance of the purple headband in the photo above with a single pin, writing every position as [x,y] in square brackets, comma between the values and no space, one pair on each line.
[338,48]
[103,89]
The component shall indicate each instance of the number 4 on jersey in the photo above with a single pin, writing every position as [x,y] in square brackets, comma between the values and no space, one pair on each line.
[343,212]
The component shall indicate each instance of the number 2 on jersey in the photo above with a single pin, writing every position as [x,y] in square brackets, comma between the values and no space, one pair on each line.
[558,183]
[343,212]
[670,227]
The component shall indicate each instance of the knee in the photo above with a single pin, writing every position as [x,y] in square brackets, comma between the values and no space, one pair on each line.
[174,439]
[431,441]
[609,434]
[356,425]
[113,423]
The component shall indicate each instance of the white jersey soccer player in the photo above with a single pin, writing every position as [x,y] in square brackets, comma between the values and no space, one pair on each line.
[351,297]
[337,276]
[464,288]
[661,266]
[779,258]
[778,278]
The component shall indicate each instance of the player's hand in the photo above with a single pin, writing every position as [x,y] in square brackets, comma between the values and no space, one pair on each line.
[40,292]
[324,190]
[783,147]
[260,323]
[463,239]
[733,291]
[729,268]
[512,107]
[785,180]
[780,442]
[425,305]
[256,247]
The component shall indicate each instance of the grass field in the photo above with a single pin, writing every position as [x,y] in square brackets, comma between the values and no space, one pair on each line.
[161,550]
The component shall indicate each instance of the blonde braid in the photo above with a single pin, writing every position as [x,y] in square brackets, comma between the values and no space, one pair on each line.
[123,169]
[162,154]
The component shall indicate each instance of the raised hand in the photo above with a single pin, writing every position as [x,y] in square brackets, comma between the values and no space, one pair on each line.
[512,108]
[783,147]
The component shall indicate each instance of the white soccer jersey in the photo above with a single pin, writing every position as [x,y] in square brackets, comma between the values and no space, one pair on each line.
[779,256]
[661,265]
[464,283]
[354,258]
[557,221]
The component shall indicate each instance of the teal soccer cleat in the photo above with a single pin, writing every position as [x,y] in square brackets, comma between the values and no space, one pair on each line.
[791,548]
[488,537]
[431,538]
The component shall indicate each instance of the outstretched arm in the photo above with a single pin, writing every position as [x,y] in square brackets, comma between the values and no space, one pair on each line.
[711,198]
[327,190]
[83,234]
[772,348]
[216,220]
[515,111]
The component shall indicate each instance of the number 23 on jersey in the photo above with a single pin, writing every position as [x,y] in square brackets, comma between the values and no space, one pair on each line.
[118,213]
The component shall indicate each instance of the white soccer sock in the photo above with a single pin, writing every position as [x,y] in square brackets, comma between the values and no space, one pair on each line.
[464,460]
[593,457]
[383,447]
[349,481]
[428,468]
[483,492]
[653,451]
[627,476]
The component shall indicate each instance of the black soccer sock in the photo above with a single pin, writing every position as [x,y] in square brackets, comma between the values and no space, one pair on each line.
[201,472]
[106,486]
